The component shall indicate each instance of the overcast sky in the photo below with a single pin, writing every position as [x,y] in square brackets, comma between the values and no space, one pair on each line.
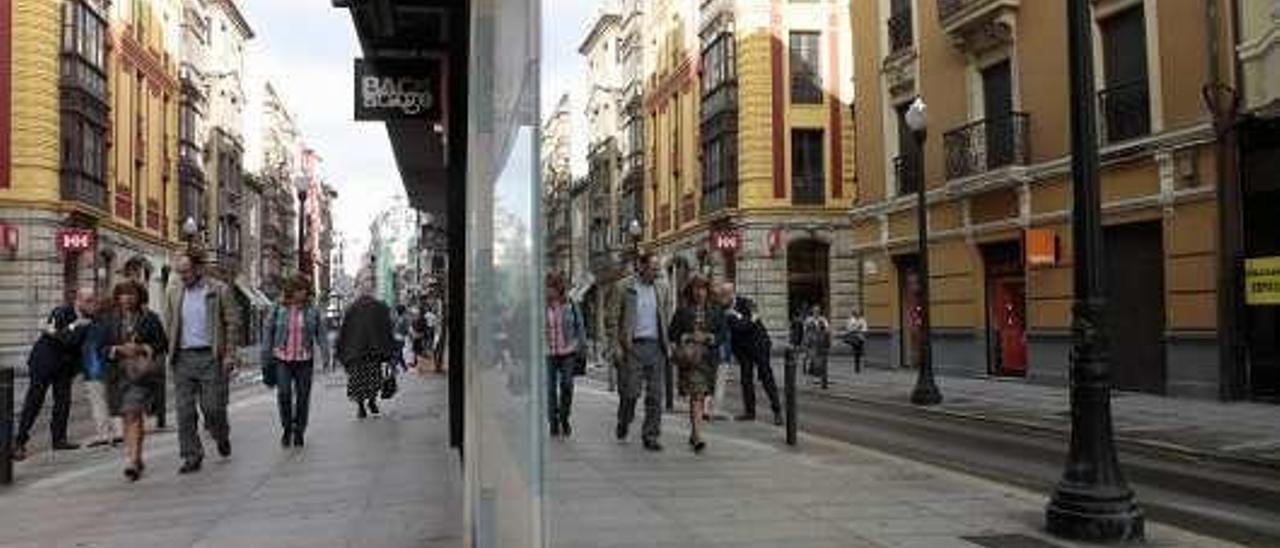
[305,48]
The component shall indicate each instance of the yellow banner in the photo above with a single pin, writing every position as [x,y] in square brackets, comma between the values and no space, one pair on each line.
[1262,281]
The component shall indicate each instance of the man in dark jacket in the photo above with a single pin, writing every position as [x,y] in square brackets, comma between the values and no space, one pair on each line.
[364,343]
[53,363]
[749,341]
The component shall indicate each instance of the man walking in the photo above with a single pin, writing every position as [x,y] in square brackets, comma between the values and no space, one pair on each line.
[204,320]
[642,351]
[751,347]
[53,363]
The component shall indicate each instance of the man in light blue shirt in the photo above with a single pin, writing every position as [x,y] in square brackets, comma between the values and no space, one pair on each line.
[642,351]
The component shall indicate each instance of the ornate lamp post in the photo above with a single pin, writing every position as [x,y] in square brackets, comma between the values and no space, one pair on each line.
[303,259]
[926,389]
[1092,501]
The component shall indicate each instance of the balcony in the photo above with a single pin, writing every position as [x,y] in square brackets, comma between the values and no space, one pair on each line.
[808,190]
[986,145]
[1126,111]
[78,187]
[722,99]
[901,32]
[977,26]
[906,175]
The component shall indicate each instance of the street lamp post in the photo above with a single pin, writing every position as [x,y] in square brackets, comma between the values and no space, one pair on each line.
[1092,501]
[302,227]
[189,229]
[926,390]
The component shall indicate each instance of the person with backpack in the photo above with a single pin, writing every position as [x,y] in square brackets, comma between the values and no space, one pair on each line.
[294,334]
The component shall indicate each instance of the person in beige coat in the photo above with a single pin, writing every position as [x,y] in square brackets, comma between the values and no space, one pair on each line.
[202,319]
[643,312]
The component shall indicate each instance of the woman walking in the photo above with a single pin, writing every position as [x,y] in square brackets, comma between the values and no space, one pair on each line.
[364,344]
[695,332]
[294,334]
[566,340]
[135,341]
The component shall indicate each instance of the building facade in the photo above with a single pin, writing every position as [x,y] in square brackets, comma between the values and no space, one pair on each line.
[557,183]
[88,192]
[281,167]
[997,174]
[603,218]
[224,149]
[749,168]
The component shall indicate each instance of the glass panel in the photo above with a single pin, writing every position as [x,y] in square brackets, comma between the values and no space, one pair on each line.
[504,365]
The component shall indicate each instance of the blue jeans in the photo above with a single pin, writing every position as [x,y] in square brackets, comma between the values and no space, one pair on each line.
[559,388]
[293,394]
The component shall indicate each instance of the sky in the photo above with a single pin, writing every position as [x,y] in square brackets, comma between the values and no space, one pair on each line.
[305,49]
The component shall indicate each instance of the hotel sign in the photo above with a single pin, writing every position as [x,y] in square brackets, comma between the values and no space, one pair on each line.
[400,89]
[71,240]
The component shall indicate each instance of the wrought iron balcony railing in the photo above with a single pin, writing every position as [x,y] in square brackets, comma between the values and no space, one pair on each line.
[907,174]
[811,190]
[1126,111]
[901,33]
[986,144]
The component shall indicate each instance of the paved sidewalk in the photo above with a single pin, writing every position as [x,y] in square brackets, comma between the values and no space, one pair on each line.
[382,482]
[1246,432]
[751,490]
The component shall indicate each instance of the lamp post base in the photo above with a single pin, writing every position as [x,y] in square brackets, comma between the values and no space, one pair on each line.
[1094,514]
[926,393]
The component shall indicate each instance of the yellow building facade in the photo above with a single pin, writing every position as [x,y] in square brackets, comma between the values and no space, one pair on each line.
[994,77]
[68,218]
[750,166]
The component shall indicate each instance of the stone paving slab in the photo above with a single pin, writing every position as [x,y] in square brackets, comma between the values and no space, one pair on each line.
[381,482]
[750,489]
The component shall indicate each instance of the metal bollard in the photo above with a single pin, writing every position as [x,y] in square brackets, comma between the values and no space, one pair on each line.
[789,389]
[6,425]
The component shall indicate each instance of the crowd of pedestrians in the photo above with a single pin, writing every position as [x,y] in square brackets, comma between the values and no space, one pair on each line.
[127,353]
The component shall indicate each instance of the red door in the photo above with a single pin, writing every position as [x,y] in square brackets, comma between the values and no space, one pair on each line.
[1008,316]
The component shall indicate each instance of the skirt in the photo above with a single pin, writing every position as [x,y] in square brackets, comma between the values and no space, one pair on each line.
[700,380]
[364,381]
[135,396]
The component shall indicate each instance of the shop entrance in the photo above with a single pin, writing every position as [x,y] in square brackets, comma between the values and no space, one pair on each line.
[807,284]
[1135,305]
[1261,162]
[909,295]
[1006,309]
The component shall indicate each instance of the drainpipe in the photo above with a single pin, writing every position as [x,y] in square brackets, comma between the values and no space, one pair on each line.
[1223,102]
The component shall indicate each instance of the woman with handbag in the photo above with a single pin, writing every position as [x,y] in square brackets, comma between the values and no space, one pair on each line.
[134,342]
[566,341]
[294,333]
[696,330]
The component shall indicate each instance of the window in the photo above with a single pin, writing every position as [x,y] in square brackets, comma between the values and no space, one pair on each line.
[806,84]
[905,166]
[808,183]
[901,33]
[1125,101]
[93,152]
[720,64]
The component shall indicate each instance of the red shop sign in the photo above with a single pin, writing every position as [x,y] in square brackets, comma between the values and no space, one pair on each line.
[75,239]
[726,240]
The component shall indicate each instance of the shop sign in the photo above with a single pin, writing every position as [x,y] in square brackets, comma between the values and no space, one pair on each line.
[726,240]
[1262,281]
[75,239]
[1042,247]
[400,89]
[774,242]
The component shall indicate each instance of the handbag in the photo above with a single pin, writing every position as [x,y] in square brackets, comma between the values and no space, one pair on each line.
[689,353]
[389,386]
[579,363]
[269,365]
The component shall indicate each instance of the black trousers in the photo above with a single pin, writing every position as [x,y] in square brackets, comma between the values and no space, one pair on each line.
[749,367]
[293,394]
[60,382]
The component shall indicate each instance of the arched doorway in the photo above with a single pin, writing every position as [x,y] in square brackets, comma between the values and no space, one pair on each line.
[808,270]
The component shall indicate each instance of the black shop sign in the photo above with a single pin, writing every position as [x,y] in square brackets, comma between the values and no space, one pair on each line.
[400,89]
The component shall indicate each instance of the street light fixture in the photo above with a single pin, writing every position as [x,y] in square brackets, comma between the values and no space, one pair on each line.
[189,229]
[1092,502]
[926,390]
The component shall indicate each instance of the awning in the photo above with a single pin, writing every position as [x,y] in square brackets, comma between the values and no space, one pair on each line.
[256,298]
